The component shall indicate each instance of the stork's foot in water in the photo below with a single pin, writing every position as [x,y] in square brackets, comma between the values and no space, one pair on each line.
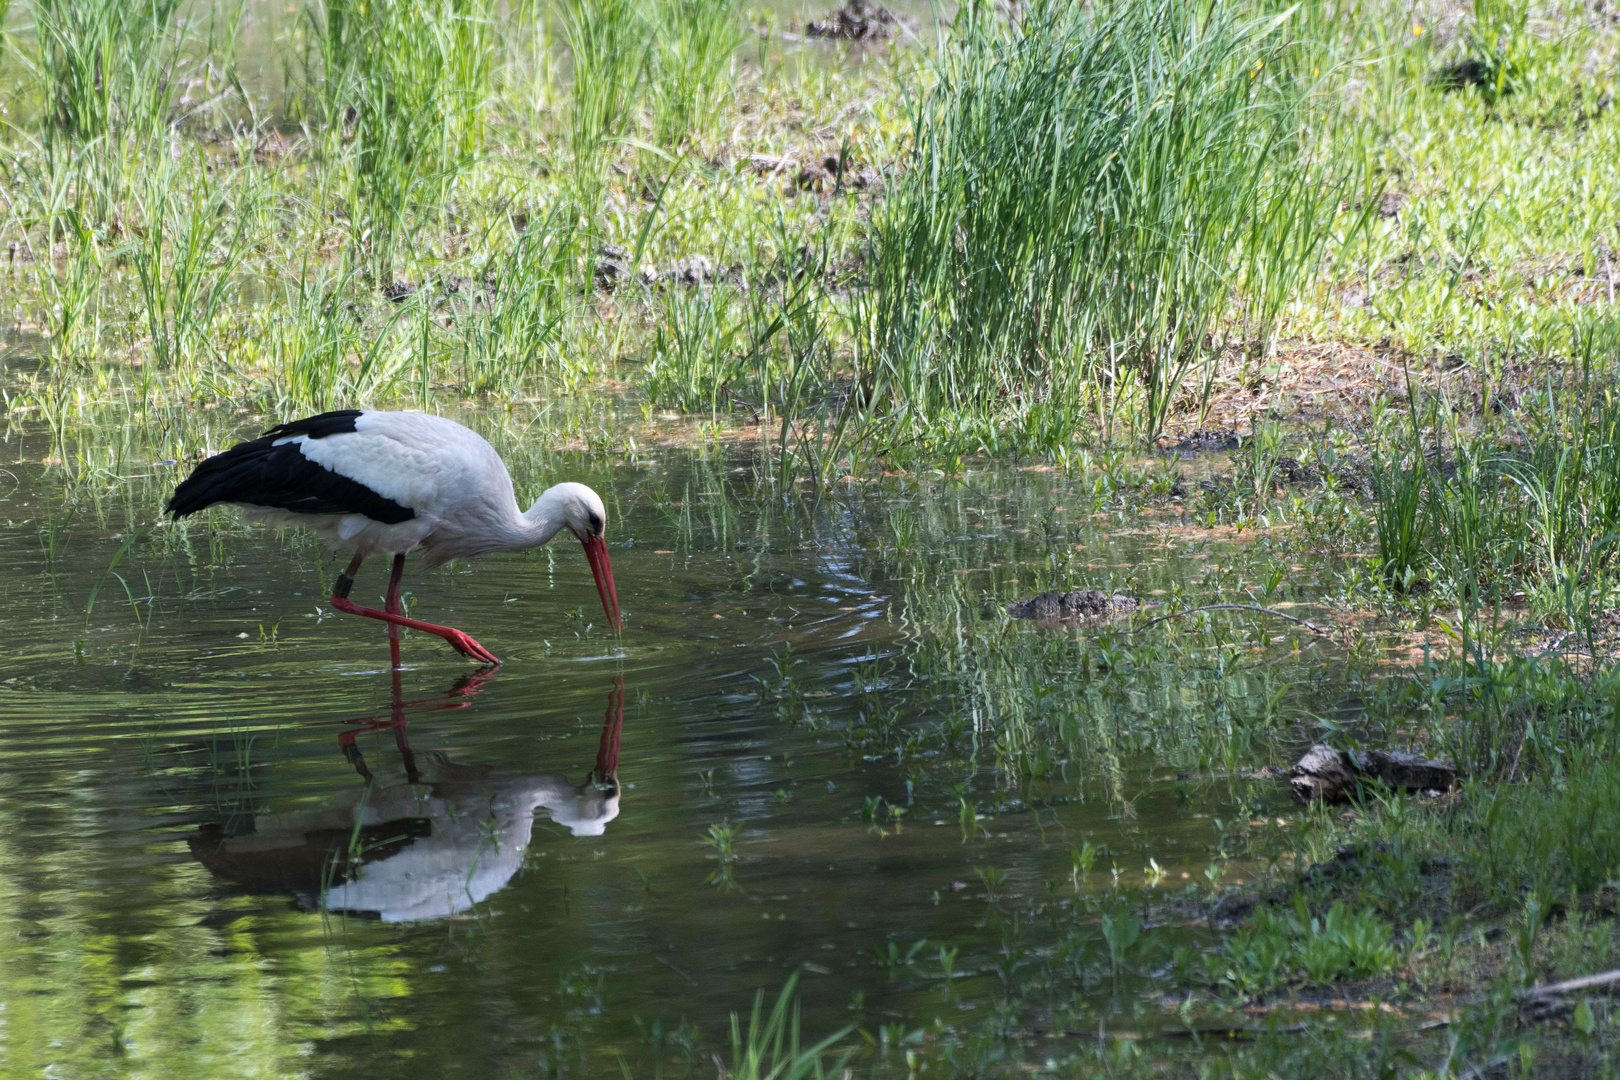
[466,646]
[462,643]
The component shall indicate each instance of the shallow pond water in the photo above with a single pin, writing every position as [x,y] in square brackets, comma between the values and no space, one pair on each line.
[234,844]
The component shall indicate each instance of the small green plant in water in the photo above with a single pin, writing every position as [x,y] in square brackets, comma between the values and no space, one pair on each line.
[1081,860]
[993,879]
[1121,933]
[720,837]
[771,1050]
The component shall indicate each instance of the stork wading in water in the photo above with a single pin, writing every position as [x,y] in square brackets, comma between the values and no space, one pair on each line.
[391,483]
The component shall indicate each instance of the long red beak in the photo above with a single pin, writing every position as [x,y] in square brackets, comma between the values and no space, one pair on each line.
[597,554]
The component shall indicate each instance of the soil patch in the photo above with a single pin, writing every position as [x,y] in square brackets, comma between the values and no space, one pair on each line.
[858,20]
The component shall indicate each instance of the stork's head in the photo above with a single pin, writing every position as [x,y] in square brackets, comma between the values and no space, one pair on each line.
[581,511]
[579,507]
[591,808]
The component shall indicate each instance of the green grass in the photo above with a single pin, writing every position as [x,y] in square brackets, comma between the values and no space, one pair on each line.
[1278,945]
[103,66]
[1011,261]
[402,104]
[1092,194]
[695,42]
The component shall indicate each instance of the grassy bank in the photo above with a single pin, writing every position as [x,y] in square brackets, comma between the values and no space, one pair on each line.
[949,245]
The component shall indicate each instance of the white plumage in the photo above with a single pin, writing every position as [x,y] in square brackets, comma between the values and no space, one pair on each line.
[391,483]
[448,474]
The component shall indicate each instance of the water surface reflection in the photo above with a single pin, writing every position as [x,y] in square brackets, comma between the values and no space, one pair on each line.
[448,837]
[830,714]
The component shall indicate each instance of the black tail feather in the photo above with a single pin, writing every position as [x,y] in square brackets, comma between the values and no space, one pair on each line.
[261,473]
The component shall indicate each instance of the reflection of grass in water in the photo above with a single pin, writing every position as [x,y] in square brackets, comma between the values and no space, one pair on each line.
[720,836]
[230,776]
[1195,700]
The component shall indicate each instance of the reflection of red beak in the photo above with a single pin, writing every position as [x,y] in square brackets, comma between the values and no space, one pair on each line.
[596,553]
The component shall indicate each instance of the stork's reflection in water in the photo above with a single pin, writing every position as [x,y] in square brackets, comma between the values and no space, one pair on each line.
[448,837]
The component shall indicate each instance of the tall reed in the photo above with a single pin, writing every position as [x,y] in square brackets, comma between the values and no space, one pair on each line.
[104,65]
[48,198]
[511,330]
[403,87]
[1089,187]
[198,226]
[692,84]
[609,44]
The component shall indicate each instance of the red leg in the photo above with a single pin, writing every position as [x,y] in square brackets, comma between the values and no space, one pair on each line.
[396,720]
[459,641]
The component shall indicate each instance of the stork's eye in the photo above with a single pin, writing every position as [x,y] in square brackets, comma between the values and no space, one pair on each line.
[596,524]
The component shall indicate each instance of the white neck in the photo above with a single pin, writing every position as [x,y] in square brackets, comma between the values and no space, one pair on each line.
[543,520]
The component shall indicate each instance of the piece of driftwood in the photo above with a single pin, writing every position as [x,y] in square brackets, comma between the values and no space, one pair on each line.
[1545,1002]
[1403,771]
[1335,776]
[1323,774]
[1080,604]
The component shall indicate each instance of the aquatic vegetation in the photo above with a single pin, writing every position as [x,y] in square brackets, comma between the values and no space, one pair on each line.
[770,1048]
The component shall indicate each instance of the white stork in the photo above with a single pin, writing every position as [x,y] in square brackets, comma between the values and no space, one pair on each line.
[391,483]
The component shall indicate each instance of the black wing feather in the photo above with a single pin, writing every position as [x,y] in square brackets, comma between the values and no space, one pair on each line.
[260,473]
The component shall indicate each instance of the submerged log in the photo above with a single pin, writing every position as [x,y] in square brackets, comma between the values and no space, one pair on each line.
[1335,776]
[1406,772]
[1080,604]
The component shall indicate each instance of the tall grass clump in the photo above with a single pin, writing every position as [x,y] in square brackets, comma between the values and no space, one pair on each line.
[197,230]
[403,89]
[1533,507]
[314,354]
[1558,835]
[610,46]
[103,65]
[49,201]
[514,329]
[692,83]
[1093,190]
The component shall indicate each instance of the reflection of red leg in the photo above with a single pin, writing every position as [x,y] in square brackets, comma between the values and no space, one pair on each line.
[465,687]
[607,751]
[393,608]
[458,640]
[468,685]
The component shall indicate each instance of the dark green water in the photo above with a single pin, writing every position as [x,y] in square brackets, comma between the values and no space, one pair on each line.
[183,759]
